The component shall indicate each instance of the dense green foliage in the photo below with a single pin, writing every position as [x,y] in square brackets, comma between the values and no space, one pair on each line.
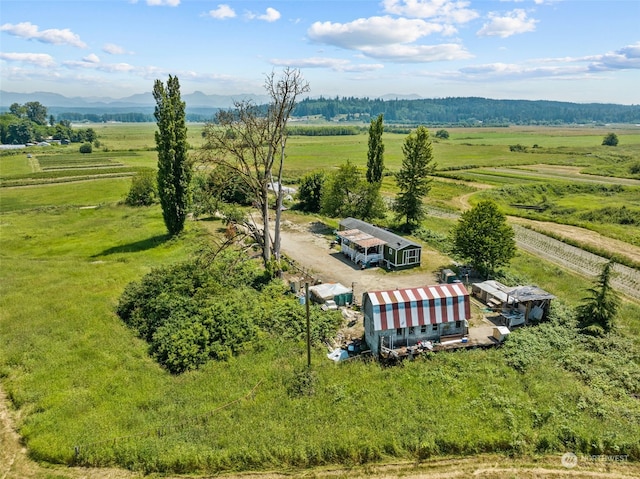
[442,134]
[28,123]
[310,191]
[143,191]
[483,237]
[463,111]
[174,167]
[610,140]
[597,312]
[375,153]
[413,178]
[193,312]
[346,193]
[469,111]
[86,148]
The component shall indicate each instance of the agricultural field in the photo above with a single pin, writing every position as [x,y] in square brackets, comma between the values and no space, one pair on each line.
[83,389]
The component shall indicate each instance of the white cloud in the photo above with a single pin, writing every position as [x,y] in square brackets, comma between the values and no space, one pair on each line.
[93,62]
[627,58]
[371,32]
[91,58]
[113,49]
[39,59]
[53,35]
[335,64]
[163,3]
[388,38]
[270,15]
[508,24]
[223,11]
[444,10]
[562,68]
[418,53]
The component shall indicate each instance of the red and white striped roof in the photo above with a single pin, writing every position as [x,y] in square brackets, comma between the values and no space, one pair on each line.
[405,308]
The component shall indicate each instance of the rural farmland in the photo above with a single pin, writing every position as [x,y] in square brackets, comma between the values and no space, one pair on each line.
[82,388]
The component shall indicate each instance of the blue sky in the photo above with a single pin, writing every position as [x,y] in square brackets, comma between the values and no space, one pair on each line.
[566,50]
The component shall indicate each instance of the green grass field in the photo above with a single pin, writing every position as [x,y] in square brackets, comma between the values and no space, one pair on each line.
[89,393]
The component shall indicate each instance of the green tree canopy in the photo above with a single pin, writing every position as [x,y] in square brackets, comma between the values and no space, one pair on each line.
[442,134]
[610,140]
[483,237]
[347,193]
[174,167]
[375,154]
[310,192]
[413,178]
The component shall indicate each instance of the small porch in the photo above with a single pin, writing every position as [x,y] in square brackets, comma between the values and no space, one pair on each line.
[361,248]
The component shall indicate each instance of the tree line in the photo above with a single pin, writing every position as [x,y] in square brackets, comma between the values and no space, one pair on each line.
[462,111]
[30,123]
[468,111]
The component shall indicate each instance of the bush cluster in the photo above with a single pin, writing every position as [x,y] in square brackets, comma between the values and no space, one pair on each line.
[190,313]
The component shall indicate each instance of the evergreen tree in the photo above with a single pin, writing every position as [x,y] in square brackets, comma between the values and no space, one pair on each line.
[599,308]
[174,167]
[375,155]
[413,178]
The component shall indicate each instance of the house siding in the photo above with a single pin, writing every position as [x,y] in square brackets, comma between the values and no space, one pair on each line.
[400,318]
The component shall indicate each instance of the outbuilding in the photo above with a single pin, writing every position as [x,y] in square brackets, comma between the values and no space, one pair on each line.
[400,318]
[368,245]
[518,305]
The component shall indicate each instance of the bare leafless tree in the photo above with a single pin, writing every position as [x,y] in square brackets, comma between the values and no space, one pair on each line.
[251,141]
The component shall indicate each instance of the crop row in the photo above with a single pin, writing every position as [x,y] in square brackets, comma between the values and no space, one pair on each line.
[626,279]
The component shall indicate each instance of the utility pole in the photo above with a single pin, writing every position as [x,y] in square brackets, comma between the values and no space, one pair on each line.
[306,302]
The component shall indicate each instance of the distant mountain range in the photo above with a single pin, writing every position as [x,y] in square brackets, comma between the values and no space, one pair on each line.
[196,99]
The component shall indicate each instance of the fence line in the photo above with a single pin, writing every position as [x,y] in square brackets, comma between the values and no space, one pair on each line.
[165,430]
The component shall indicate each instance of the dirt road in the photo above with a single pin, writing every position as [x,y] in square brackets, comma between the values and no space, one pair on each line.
[309,247]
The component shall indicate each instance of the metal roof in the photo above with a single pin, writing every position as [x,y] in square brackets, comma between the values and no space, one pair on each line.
[361,238]
[410,307]
[391,239]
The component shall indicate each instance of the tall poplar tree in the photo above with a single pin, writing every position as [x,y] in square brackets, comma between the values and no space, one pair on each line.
[375,155]
[413,178]
[174,167]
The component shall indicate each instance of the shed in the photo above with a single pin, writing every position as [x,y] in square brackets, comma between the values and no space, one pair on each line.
[366,245]
[500,333]
[405,317]
[518,305]
[321,293]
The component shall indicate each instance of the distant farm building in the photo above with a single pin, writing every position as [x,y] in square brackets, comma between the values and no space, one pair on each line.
[406,317]
[518,305]
[367,245]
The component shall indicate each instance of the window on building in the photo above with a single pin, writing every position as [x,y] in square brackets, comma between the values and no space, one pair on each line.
[458,324]
[423,328]
[412,330]
[399,331]
[435,327]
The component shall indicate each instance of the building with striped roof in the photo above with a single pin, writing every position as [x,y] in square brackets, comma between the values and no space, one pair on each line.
[404,317]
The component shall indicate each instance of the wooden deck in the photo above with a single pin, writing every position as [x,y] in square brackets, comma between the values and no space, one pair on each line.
[478,337]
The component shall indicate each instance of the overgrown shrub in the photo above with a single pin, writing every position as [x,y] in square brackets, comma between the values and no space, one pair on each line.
[193,312]
[86,148]
[143,191]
